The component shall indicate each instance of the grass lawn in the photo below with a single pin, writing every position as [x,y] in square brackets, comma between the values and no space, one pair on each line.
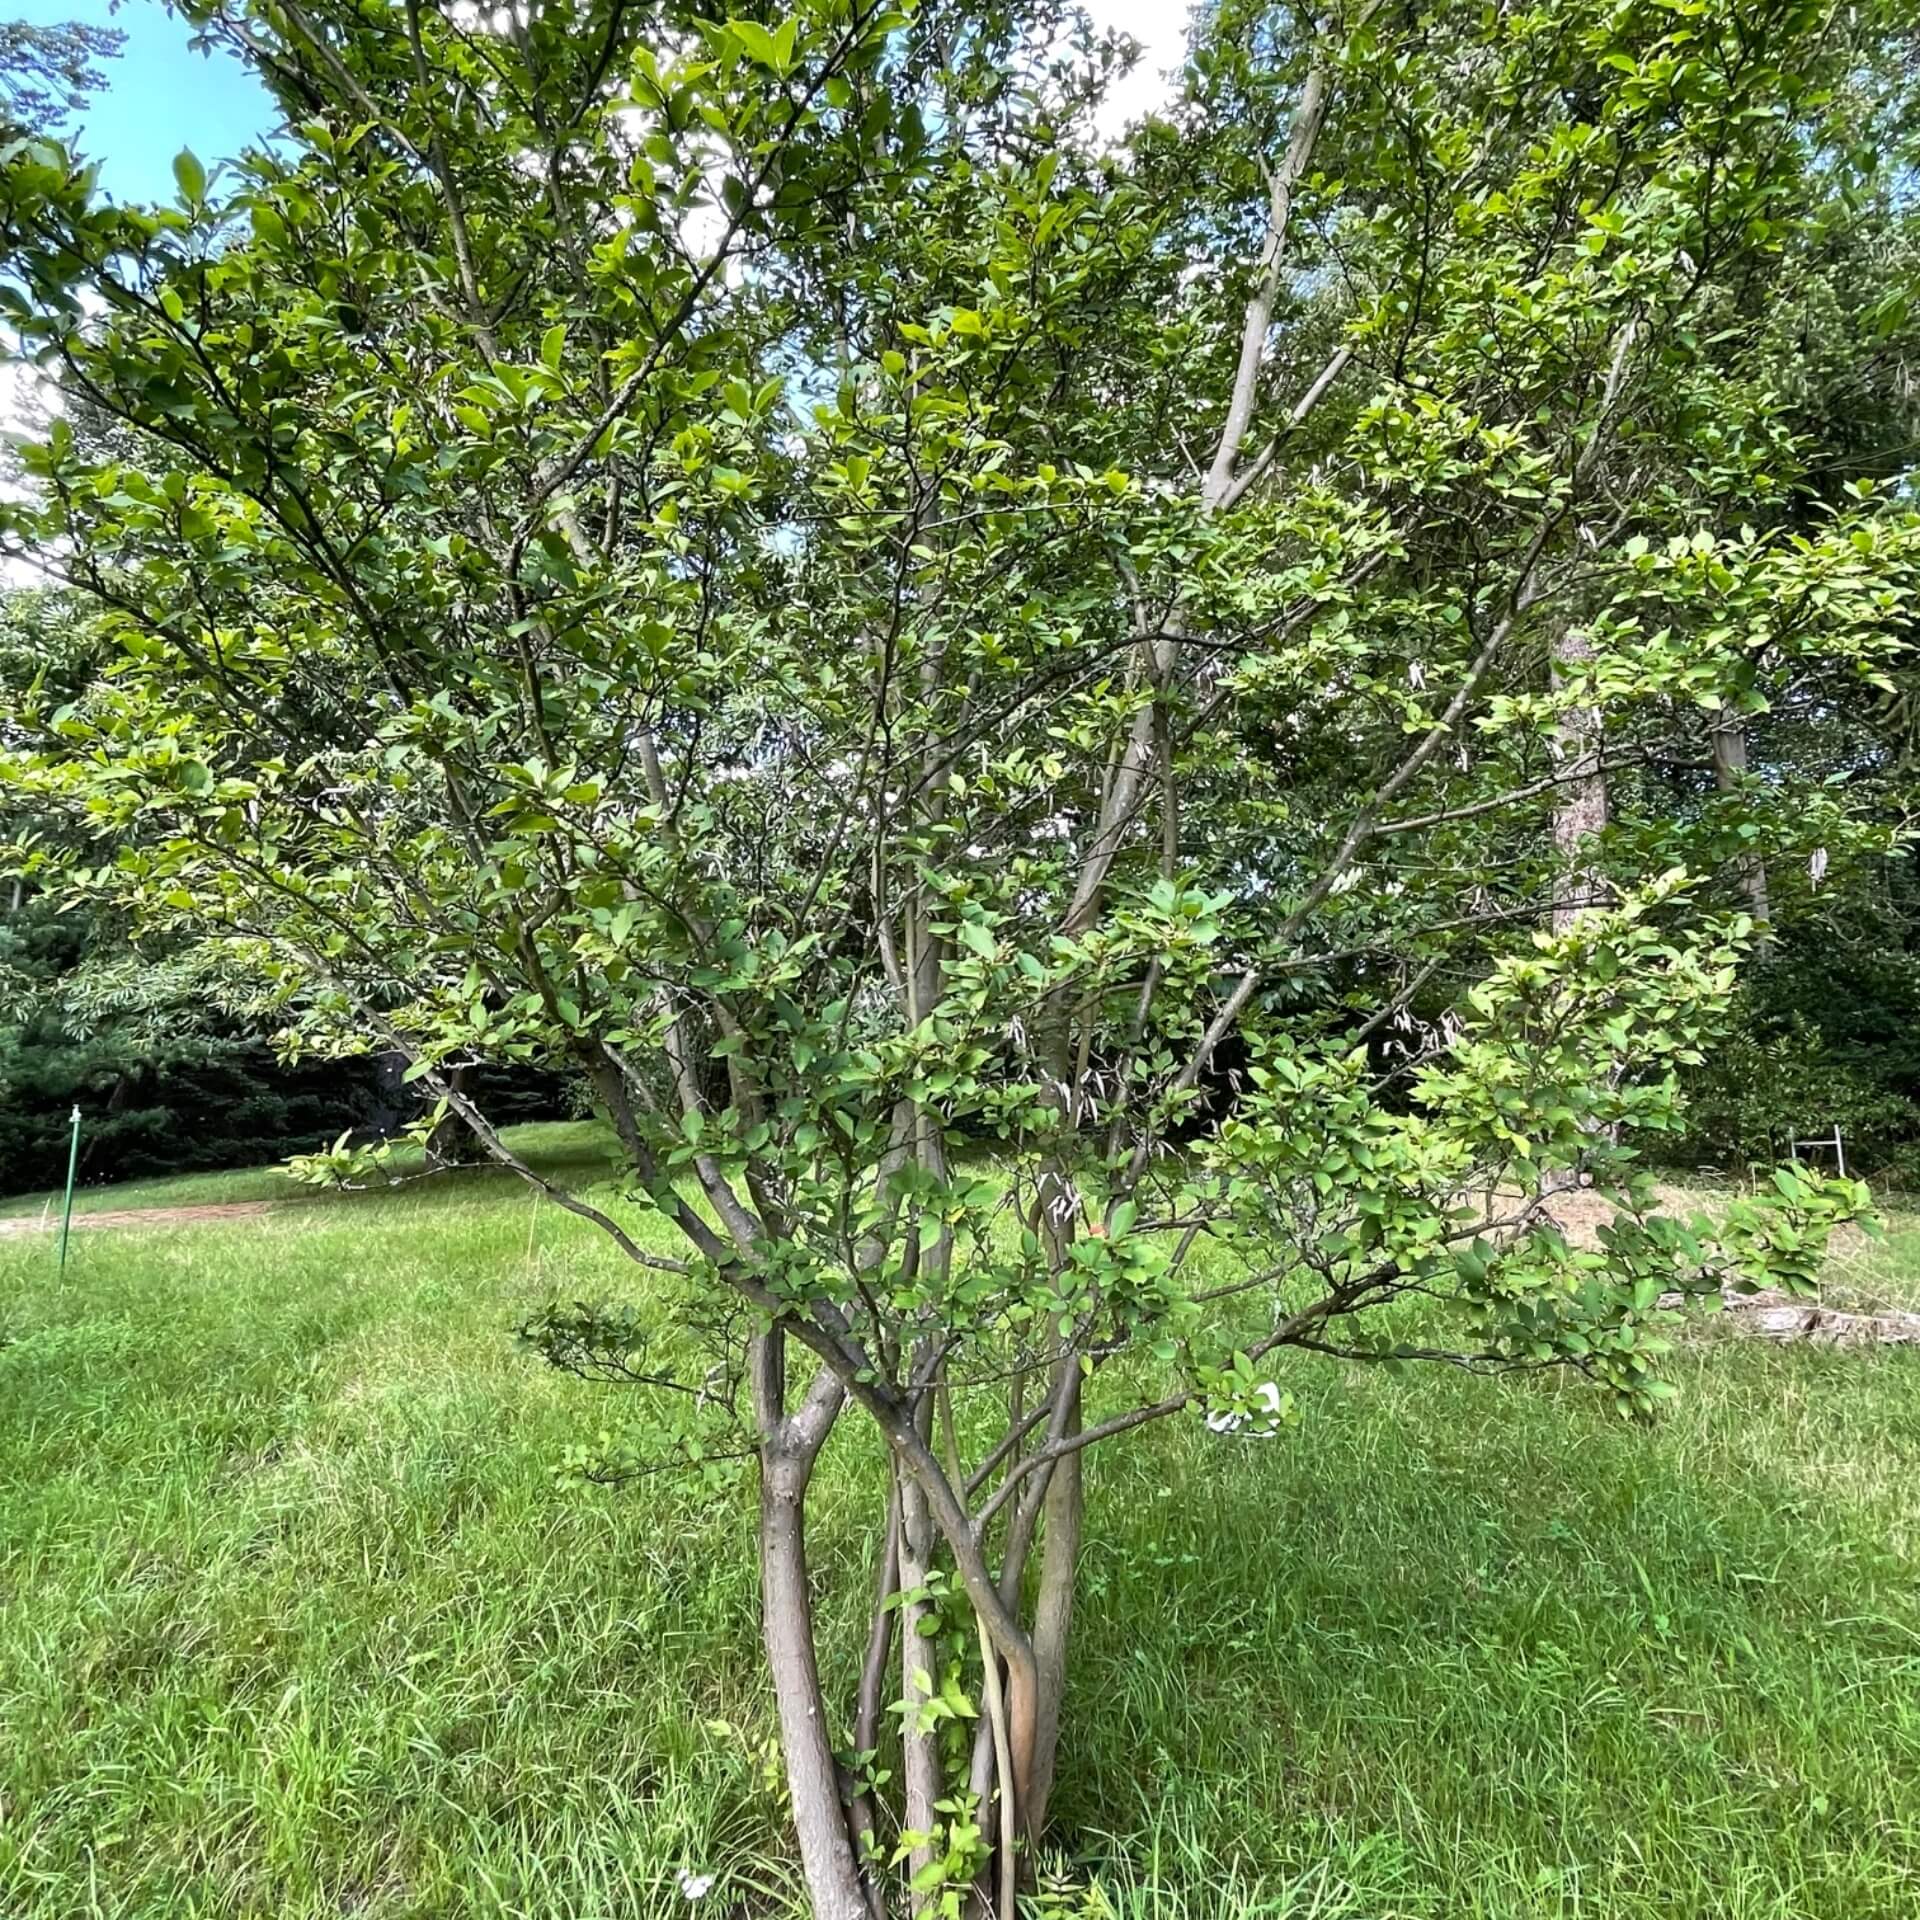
[573,1150]
[166,1190]
[294,1624]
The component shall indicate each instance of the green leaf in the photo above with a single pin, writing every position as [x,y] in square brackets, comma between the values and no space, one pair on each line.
[979,939]
[192,177]
[773,50]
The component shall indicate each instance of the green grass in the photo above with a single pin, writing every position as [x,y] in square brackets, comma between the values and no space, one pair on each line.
[293,1622]
[575,1150]
[168,1190]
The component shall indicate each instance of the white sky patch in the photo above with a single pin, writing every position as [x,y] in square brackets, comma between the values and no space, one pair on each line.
[28,402]
[26,397]
[1161,28]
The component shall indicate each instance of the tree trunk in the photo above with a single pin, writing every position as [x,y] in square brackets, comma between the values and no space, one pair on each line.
[870,1705]
[919,1754]
[452,1143]
[1052,1622]
[1580,815]
[1729,773]
[826,1850]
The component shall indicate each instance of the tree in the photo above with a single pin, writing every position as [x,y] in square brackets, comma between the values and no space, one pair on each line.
[168,1048]
[968,683]
[48,71]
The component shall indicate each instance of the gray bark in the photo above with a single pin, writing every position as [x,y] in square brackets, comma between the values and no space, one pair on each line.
[1729,772]
[1053,1622]
[872,1700]
[1580,814]
[826,1850]
[453,1143]
[920,1758]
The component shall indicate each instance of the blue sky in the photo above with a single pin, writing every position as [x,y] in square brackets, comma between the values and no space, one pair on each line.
[160,96]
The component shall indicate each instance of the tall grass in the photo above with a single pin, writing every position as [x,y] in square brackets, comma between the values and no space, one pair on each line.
[293,1621]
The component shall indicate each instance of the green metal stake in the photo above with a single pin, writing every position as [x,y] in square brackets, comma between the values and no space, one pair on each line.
[73,1162]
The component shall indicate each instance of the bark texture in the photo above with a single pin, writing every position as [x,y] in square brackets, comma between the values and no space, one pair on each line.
[1053,1622]
[1580,814]
[920,1759]
[1729,772]
[452,1143]
[826,1851]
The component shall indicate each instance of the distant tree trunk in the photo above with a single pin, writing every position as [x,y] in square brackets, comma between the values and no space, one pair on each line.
[117,1102]
[453,1143]
[1729,774]
[1580,816]
[862,1816]
[1581,811]
[398,1102]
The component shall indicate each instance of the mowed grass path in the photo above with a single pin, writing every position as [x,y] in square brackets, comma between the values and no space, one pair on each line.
[293,1622]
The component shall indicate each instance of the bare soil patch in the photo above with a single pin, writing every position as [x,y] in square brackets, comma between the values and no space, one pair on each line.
[49,1222]
[1769,1315]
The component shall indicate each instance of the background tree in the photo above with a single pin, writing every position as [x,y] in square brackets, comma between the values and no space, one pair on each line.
[170,1048]
[967,683]
[47,72]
